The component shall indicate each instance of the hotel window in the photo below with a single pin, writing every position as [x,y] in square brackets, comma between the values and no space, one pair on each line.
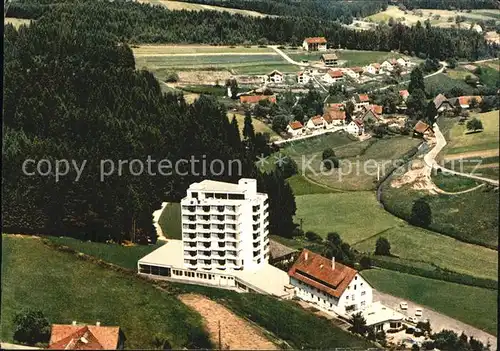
[363,293]
[363,303]
[354,286]
[347,297]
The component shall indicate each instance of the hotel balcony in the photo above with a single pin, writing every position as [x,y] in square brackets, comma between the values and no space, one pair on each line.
[191,265]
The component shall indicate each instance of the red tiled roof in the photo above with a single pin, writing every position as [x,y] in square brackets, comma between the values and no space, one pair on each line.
[295,125]
[333,114]
[316,40]
[275,72]
[300,73]
[376,65]
[317,271]
[377,109]
[357,69]
[253,99]
[317,120]
[421,127]
[404,93]
[336,74]
[465,100]
[358,122]
[89,337]
[363,98]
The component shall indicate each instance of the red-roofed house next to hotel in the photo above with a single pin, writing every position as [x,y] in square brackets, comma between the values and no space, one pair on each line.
[314,44]
[85,337]
[329,285]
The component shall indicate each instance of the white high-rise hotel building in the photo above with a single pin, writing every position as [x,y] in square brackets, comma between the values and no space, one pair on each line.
[225,226]
[224,241]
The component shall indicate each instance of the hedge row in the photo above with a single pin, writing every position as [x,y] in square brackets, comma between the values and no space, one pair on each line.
[438,273]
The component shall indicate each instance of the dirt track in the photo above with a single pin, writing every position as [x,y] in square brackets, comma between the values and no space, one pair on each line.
[464,155]
[236,333]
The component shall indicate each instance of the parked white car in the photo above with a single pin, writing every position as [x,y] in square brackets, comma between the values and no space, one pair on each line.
[403,305]
[412,319]
[418,312]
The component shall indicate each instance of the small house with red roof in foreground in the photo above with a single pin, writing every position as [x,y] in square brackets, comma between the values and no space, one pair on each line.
[314,44]
[329,285]
[85,337]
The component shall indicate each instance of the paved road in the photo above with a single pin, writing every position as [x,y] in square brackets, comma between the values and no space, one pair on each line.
[430,159]
[438,321]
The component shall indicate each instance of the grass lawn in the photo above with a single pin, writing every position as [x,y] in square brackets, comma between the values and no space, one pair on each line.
[452,183]
[471,305]
[355,215]
[170,220]
[353,57]
[411,17]
[471,217]
[416,244]
[258,126]
[459,73]
[360,220]
[65,288]
[361,162]
[240,64]
[135,306]
[17,22]
[285,319]
[180,5]
[152,50]
[124,256]
[442,83]
[460,142]
[302,186]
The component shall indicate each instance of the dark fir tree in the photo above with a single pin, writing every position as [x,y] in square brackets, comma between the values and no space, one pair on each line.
[421,214]
[431,113]
[416,80]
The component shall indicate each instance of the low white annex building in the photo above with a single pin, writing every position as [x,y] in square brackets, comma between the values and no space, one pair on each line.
[224,241]
[382,318]
[329,285]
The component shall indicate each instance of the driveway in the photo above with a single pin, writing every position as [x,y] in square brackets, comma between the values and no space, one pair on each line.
[438,321]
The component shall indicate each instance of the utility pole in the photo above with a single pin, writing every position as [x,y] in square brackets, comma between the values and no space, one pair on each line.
[220,341]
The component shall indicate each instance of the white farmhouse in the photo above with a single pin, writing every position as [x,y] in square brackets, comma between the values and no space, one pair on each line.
[356,127]
[387,66]
[274,77]
[314,44]
[329,285]
[403,62]
[360,101]
[224,241]
[373,68]
[316,123]
[303,77]
[295,128]
[332,77]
